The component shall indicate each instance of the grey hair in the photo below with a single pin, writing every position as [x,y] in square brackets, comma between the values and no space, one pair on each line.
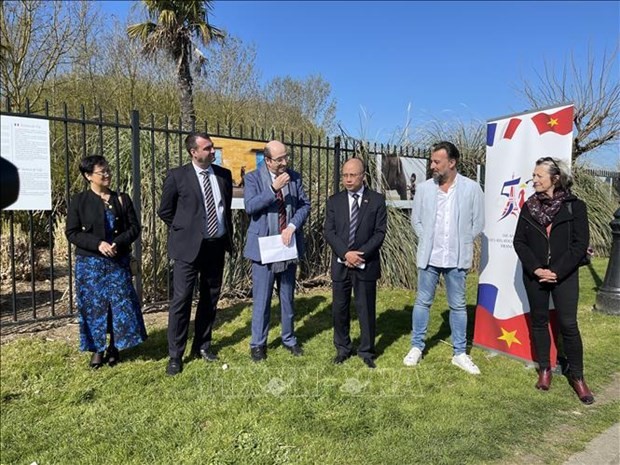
[559,168]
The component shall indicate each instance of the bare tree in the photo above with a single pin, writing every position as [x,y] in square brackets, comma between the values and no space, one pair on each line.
[300,103]
[595,91]
[232,83]
[39,39]
[134,78]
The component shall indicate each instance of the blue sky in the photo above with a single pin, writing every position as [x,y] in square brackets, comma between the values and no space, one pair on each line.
[443,60]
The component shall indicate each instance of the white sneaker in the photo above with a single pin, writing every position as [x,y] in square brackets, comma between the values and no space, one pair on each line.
[464,362]
[413,357]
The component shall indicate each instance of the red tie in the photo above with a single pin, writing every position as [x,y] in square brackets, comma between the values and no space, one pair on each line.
[281,211]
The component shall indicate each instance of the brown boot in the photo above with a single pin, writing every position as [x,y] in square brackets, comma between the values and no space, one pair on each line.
[544,379]
[582,390]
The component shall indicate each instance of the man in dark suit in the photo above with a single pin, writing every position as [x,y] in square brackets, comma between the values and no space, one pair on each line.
[277,204]
[355,227]
[195,204]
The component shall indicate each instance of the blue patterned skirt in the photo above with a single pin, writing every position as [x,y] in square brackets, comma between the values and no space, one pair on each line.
[103,286]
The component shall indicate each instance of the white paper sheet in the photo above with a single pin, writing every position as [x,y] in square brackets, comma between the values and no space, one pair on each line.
[273,250]
[361,266]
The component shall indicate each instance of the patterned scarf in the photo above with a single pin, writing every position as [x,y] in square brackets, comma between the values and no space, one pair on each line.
[544,208]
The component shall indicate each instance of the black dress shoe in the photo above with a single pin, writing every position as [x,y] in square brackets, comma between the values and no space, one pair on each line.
[296,350]
[174,367]
[112,356]
[207,355]
[97,360]
[370,363]
[259,353]
[341,358]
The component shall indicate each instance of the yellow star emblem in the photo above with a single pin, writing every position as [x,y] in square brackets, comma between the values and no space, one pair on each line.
[510,337]
[553,122]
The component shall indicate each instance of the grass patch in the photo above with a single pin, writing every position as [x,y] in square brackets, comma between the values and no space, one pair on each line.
[54,409]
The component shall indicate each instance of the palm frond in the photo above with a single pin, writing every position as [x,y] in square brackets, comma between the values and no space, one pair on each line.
[141,31]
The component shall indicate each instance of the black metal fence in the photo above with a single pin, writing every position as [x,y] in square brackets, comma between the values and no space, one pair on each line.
[611,178]
[36,259]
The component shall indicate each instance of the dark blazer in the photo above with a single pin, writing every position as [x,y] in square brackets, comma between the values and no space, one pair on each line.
[371,229]
[260,200]
[565,246]
[183,209]
[86,223]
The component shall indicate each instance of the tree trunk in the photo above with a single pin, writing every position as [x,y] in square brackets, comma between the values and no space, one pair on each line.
[186,97]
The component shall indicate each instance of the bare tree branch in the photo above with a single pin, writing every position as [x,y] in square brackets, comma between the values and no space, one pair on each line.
[595,91]
[39,39]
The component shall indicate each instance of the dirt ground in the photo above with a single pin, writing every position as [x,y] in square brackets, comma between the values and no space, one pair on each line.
[66,328]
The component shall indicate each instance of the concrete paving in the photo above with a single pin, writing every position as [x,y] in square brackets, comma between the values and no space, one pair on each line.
[602,450]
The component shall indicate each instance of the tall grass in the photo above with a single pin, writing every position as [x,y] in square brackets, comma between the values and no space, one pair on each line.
[601,208]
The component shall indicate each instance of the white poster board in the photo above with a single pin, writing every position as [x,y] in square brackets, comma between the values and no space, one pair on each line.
[25,142]
[514,144]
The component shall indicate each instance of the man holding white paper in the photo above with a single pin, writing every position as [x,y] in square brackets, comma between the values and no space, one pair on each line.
[276,203]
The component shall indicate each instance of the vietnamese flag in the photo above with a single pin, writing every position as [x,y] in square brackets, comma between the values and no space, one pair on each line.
[508,335]
[560,122]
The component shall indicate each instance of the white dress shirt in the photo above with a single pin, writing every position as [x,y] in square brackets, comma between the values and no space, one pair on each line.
[359,199]
[445,241]
[273,178]
[217,197]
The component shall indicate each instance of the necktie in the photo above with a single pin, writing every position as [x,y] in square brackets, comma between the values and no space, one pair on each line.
[355,210]
[209,204]
[281,211]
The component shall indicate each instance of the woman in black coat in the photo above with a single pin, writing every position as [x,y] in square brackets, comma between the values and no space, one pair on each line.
[551,240]
[102,224]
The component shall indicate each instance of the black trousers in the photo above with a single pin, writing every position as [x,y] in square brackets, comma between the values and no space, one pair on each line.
[365,293]
[565,297]
[209,264]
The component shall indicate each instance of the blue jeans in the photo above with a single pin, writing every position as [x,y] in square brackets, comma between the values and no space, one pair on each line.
[455,288]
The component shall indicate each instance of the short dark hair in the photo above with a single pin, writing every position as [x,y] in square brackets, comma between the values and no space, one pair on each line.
[449,147]
[87,164]
[190,140]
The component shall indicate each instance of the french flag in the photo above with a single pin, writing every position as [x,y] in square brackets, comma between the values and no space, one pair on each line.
[503,130]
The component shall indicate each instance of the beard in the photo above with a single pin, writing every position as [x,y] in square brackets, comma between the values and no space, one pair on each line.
[440,178]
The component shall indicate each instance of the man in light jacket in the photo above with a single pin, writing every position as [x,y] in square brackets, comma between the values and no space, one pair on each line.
[447,215]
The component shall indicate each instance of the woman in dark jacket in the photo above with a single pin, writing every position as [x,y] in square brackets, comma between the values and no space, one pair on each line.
[102,224]
[551,240]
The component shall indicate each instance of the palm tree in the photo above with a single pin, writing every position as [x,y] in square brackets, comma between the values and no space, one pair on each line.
[174,27]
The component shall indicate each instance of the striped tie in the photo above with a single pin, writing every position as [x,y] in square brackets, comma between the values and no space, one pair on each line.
[355,210]
[281,211]
[209,205]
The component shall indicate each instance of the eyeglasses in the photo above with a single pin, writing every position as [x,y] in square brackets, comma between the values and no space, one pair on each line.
[282,159]
[103,174]
[351,175]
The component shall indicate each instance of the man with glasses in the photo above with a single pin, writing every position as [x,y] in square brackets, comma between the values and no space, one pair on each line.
[276,203]
[355,227]
[447,215]
[195,204]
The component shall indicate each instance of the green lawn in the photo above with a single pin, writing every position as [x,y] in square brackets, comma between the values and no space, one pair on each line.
[54,410]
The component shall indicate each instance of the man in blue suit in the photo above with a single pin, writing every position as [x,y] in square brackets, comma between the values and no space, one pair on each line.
[276,204]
